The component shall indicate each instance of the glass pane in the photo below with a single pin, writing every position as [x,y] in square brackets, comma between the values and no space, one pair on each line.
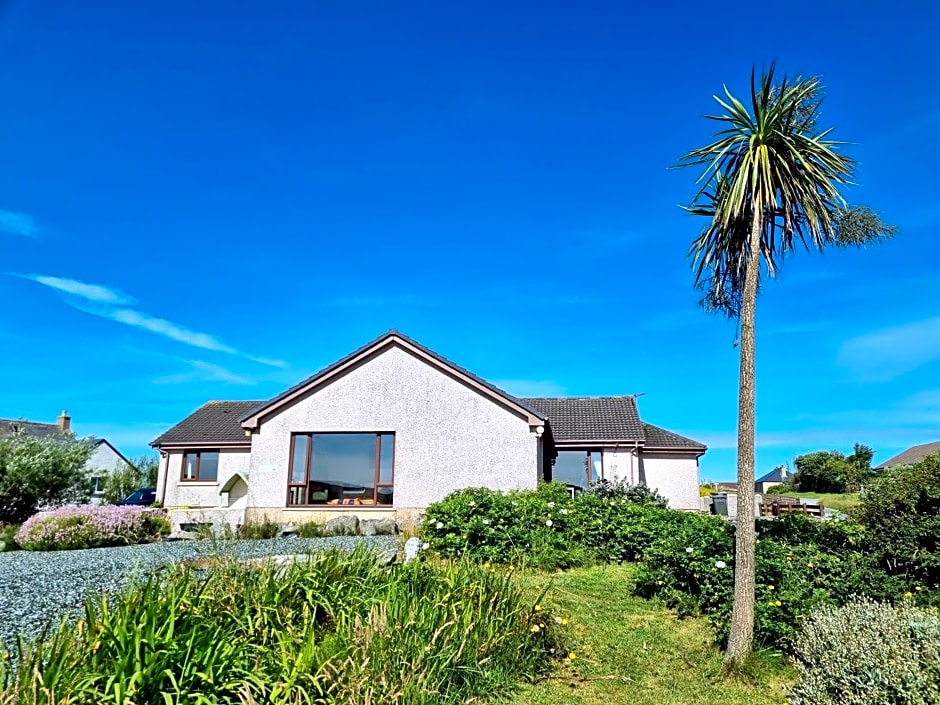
[209,466]
[298,468]
[571,468]
[386,457]
[343,466]
[189,466]
[597,466]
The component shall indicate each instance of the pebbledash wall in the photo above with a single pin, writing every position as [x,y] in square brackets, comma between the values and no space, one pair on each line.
[673,474]
[447,437]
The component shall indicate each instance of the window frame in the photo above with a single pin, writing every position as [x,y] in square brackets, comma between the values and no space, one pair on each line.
[376,475]
[587,453]
[196,475]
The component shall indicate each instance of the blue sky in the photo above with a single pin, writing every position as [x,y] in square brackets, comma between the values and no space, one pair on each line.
[212,200]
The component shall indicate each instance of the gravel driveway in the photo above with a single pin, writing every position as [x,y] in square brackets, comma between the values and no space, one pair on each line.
[38,586]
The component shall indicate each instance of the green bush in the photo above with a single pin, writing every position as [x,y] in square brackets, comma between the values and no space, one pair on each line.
[622,490]
[338,628]
[259,530]
[8,537]
[867,652]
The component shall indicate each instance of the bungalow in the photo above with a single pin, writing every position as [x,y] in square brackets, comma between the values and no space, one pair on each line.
[393,427]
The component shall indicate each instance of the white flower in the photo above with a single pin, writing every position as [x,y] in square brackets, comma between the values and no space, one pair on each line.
[689,549]
[515,503]
[721,564]
[425,546]
[551,504]
[486,521]
[548,522]
[439,525]
[472,503]
[564,511]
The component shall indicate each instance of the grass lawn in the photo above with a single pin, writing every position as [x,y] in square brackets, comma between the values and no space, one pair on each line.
[840,502]
[630,650]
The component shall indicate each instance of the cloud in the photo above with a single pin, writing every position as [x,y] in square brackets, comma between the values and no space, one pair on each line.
[17,223]
[106,302]
[201,371]
[91,292]
[530,387]
[887,353]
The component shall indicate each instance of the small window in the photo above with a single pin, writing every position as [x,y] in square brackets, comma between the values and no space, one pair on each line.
[200,466]
[97,486]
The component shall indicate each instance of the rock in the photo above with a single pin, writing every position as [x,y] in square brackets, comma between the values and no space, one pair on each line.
[412,547]
[347,525]
[182,536]
[387,557]
[281,561]
[290,534]
[378,527]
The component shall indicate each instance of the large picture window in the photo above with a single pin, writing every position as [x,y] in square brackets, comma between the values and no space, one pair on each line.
[200,466]
[579,469]
[341,469]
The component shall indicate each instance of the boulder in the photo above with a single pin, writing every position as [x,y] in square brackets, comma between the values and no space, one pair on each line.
[347,525]
[387,557]
[378,527]
[182,536]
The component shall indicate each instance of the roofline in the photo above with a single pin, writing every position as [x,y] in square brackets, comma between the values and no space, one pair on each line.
[123,457]
[602,441]
[699,450]
[370,350]
[182,445]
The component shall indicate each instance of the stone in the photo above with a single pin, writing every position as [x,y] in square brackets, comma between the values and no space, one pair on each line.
[412,548]
[182,536]
[347,525]
[378,527]
[280,561]
[387,557]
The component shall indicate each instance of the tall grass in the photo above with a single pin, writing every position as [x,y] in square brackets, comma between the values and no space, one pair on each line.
[338,628]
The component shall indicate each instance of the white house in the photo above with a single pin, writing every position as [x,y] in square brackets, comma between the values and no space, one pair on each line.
[393,427]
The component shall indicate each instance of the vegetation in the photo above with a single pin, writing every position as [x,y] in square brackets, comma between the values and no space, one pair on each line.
[866,652]
[8,537]
[845,503]
[832,472]
[121,483]
[771,180]
[259,530]
[630,650]
[339,628]
[91,526]
[40,472]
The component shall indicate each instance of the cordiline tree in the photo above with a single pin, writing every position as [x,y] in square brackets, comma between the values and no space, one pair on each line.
[772,181]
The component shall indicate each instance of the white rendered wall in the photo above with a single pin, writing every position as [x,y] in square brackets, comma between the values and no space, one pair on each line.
[673,475]
[200,494]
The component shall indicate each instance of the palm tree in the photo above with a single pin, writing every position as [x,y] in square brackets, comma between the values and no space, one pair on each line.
[771,180]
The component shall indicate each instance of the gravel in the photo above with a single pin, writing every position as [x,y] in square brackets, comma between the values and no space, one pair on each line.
[36,587]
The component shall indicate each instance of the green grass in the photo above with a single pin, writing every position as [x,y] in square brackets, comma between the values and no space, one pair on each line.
[630,650]
[839,502]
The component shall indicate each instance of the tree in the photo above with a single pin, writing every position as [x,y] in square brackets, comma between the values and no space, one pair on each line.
[771,181]
[142,472]
[40,472]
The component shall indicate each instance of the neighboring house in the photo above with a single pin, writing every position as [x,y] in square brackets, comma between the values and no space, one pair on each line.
[775,477]
[393,427]
[911,455]
[105,458]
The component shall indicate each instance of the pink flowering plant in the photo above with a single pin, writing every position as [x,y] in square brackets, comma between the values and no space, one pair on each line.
[90,526]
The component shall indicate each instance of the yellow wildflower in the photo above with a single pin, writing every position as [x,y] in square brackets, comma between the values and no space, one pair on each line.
[908,594]
[918,588]
[809,565]
[572,656]
[659,582]
[777,603]
[770,587]
[534,628]
[564,621]
[538,608]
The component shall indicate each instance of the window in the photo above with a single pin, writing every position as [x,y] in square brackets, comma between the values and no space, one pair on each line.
[578,469]
[200,466]
[341,468]
[97,486]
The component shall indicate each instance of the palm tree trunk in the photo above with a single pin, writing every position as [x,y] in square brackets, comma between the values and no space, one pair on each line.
[742,614]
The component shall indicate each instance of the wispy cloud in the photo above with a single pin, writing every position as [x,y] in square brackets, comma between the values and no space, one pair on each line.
[882,355]
[530,387]
[110,303]
[17,223]
[91,292]
[202,371]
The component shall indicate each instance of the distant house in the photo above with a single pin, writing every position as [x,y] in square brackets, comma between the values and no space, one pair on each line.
[775,477]
[393,427]
[104,460]
[911,455]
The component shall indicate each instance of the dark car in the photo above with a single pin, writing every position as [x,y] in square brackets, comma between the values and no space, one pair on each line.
[143,497]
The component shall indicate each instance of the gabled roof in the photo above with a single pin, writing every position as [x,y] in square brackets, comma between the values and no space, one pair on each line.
[778,474]
[213,423]
[660,439]
[371,350]
[104,441]
[31,428]
[911,455]
[591,419]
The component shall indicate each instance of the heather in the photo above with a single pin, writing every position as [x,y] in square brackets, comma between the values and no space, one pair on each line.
[336,628]
[90,526]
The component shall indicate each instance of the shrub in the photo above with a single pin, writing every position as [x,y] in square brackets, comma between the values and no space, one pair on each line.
[259,530]
[868,652]
[72,527]
[8,537]
[338,628]
[622,490]
[311,530]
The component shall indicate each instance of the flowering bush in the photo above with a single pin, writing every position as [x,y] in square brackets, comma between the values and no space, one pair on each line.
[90,526]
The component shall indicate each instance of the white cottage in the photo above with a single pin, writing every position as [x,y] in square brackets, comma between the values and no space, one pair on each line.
[393,427]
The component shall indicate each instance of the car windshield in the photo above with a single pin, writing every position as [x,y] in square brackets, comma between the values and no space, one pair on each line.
[139,496]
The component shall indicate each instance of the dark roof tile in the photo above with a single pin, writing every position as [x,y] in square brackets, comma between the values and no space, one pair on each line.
[213,422]
[31,428]
[911,455]
[591,418]
[657,437]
